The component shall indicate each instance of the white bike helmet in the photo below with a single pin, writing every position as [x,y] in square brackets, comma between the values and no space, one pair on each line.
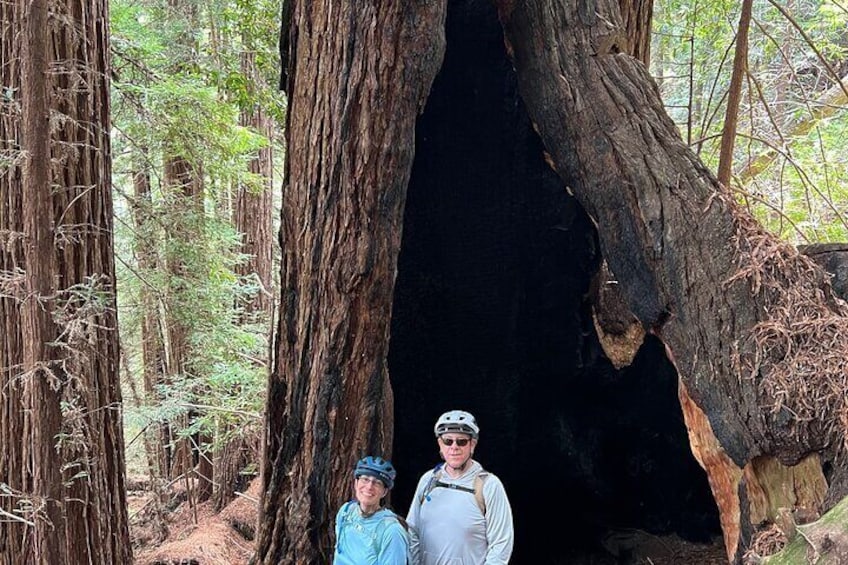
[458,421]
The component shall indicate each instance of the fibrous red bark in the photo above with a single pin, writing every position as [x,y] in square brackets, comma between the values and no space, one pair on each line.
[358,76]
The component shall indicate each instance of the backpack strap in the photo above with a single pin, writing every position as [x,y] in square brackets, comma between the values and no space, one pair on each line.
[435,481]
[402,521]
[478,490]
[431,484]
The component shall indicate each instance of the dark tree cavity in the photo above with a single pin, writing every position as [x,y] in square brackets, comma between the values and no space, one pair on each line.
[492,314]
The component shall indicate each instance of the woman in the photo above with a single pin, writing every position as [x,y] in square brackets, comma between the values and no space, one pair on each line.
[366,532]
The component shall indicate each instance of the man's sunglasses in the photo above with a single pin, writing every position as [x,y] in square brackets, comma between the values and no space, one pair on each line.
[460,442]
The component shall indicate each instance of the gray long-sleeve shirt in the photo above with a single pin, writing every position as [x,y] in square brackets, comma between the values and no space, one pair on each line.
[448,527]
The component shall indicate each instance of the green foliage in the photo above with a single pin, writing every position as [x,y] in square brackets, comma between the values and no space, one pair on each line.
[179,88]
[794,57]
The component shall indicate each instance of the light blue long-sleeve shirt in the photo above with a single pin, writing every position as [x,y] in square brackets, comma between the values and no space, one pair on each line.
[448,527]
[378,539]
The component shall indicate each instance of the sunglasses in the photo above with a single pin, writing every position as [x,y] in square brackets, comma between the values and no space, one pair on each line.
[460,442]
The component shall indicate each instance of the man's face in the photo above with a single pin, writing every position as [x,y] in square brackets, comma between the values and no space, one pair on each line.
[456,448]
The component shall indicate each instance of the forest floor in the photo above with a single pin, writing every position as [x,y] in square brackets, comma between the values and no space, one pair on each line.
[182,533]
[192,533]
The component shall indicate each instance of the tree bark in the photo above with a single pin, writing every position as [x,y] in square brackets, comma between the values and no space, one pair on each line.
[65,429]
[638,16]
[94,465]
[354,93]
[742,315]
[14,535]
[43,372]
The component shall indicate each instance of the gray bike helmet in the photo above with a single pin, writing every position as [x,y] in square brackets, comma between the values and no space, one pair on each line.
[458,421]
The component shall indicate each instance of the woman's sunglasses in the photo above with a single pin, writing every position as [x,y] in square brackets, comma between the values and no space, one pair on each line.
[460,442]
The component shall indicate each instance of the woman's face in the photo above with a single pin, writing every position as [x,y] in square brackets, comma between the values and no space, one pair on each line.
[369,491]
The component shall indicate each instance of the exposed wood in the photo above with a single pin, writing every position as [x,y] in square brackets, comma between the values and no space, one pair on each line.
[360,73]
[768,484]
[722,474]
[620,333]
[823,542]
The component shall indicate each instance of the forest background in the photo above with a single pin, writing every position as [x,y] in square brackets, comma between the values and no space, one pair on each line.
[197,150]
[197,78]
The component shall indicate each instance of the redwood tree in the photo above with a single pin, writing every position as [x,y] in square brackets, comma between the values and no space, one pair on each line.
[60,370]
[752,326]
[12,475]
[350,133]
[253,220]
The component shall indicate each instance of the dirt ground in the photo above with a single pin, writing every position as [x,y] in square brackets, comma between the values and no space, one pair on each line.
[194,535]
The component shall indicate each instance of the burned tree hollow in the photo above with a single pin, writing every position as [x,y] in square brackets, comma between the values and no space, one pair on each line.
[492,314]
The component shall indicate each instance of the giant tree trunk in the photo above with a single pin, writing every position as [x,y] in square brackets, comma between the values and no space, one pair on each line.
[752,326]
[359,75]
[65,429]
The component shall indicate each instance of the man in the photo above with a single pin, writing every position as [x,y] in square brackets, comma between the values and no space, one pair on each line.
[460,514]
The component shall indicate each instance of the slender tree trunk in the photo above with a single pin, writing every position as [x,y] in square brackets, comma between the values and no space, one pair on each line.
[154,362]
[15,535]
[43,371]
[350,145]
[731,116]
[185,196]
[254,202]
[253,220]
[751,325]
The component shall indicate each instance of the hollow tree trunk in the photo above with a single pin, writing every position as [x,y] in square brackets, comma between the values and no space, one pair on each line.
[358,76]
[752,326]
